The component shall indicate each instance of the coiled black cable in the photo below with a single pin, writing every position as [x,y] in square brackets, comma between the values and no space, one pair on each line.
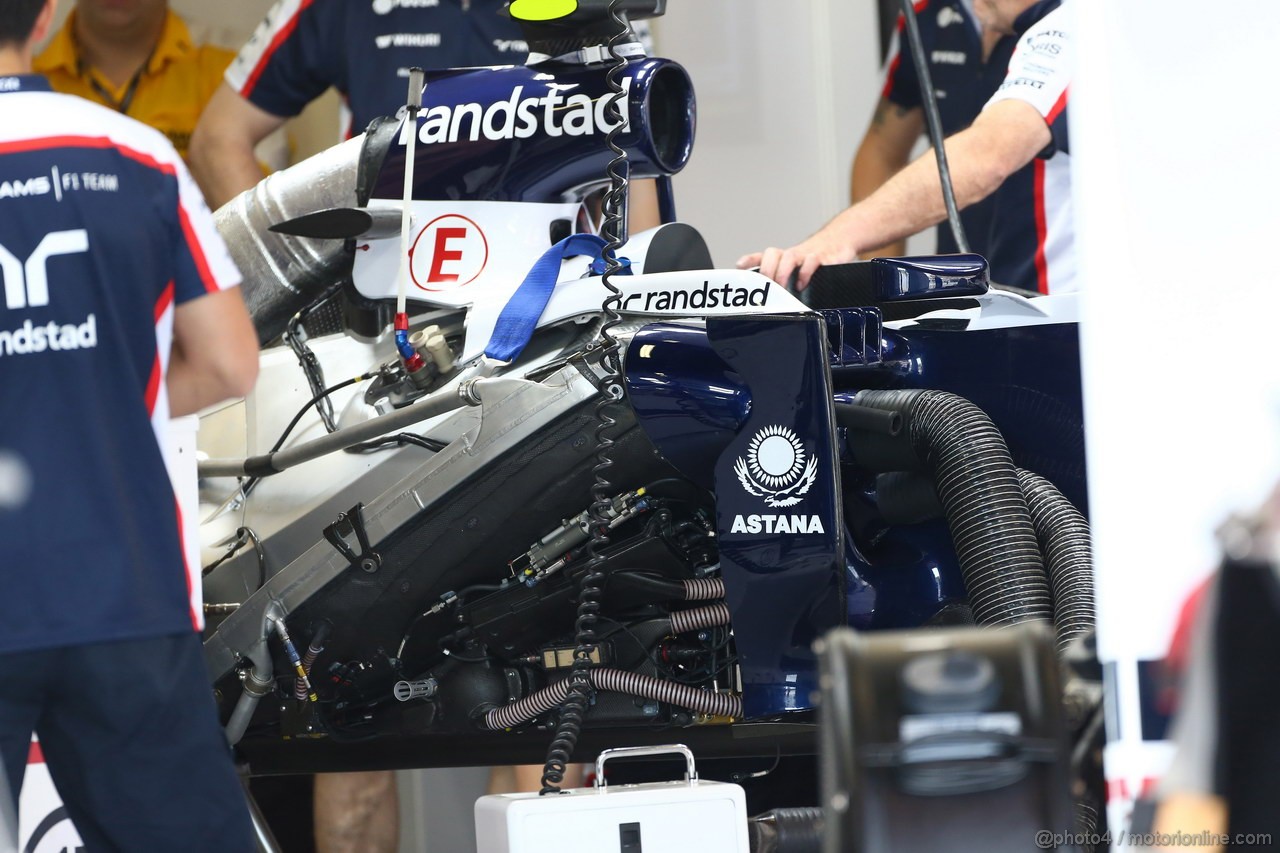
[591,586]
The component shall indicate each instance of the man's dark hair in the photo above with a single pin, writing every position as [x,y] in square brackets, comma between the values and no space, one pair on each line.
[17,19]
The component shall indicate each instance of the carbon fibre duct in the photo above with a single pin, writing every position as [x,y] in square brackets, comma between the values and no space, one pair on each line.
[1064,537]
[985,508]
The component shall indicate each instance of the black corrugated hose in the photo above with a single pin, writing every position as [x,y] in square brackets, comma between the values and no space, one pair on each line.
[786,831]
[1064,536]
[986,511]
[1062,530]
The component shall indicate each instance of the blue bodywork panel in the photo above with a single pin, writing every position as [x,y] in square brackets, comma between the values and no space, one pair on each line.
[533,133]
[777,487]
[704,392]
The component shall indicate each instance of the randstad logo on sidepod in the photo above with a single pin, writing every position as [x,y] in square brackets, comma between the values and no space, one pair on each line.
[519,117]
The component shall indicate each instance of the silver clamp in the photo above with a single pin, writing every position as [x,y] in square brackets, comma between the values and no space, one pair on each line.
[592,55]
[690,774]
[469,393]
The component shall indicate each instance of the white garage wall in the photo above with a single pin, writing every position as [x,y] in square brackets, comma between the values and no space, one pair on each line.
[785,89]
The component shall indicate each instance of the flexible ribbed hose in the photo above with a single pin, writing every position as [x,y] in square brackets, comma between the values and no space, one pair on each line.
[990,523]
[1064,537]
[796,830]
[618,681]
[709,616]
[703,589]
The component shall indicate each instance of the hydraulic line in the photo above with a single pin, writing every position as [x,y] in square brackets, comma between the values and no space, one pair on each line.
[301,688]
[577,694]
[296,337]
[292,652]
[618,681]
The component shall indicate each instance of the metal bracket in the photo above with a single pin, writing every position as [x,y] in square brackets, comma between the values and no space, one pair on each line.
[368,559]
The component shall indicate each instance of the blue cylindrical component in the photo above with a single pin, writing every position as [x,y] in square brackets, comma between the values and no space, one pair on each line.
[534,134]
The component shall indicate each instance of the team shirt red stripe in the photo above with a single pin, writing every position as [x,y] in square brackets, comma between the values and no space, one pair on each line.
[891,77]
[1042,229]
[165,300]
[43,143]
[197,252]
[279,39]
[920,6]
[153,383]
[186,567]
[1057,108]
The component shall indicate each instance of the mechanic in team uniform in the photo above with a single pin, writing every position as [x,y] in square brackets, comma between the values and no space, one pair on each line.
[362,48]
[1015,152]
[967,66]
[120,310]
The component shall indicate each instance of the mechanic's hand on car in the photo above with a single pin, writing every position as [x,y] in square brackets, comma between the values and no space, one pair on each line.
[803,260]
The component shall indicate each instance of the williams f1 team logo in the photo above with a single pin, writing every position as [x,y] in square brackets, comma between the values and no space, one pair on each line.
[776,467]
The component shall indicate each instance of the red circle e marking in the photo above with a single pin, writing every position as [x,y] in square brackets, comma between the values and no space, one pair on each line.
[455,253]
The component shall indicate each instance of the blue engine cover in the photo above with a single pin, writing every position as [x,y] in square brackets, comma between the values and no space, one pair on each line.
[538,133]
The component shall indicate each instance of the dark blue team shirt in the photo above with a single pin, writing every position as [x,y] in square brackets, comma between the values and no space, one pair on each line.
[963,84]
[1002,227]
[363,48]
[100,237]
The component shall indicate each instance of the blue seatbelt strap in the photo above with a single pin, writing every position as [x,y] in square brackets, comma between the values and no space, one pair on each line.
[520,315]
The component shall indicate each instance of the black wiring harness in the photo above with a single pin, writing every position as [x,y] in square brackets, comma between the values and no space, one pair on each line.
[573,711]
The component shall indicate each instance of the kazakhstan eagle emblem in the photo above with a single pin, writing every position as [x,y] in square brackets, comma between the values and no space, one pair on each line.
[776,467]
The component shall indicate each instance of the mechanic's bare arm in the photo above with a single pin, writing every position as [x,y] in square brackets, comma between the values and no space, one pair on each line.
[221,156]
[215,352]
[884,151]
[1006,136]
